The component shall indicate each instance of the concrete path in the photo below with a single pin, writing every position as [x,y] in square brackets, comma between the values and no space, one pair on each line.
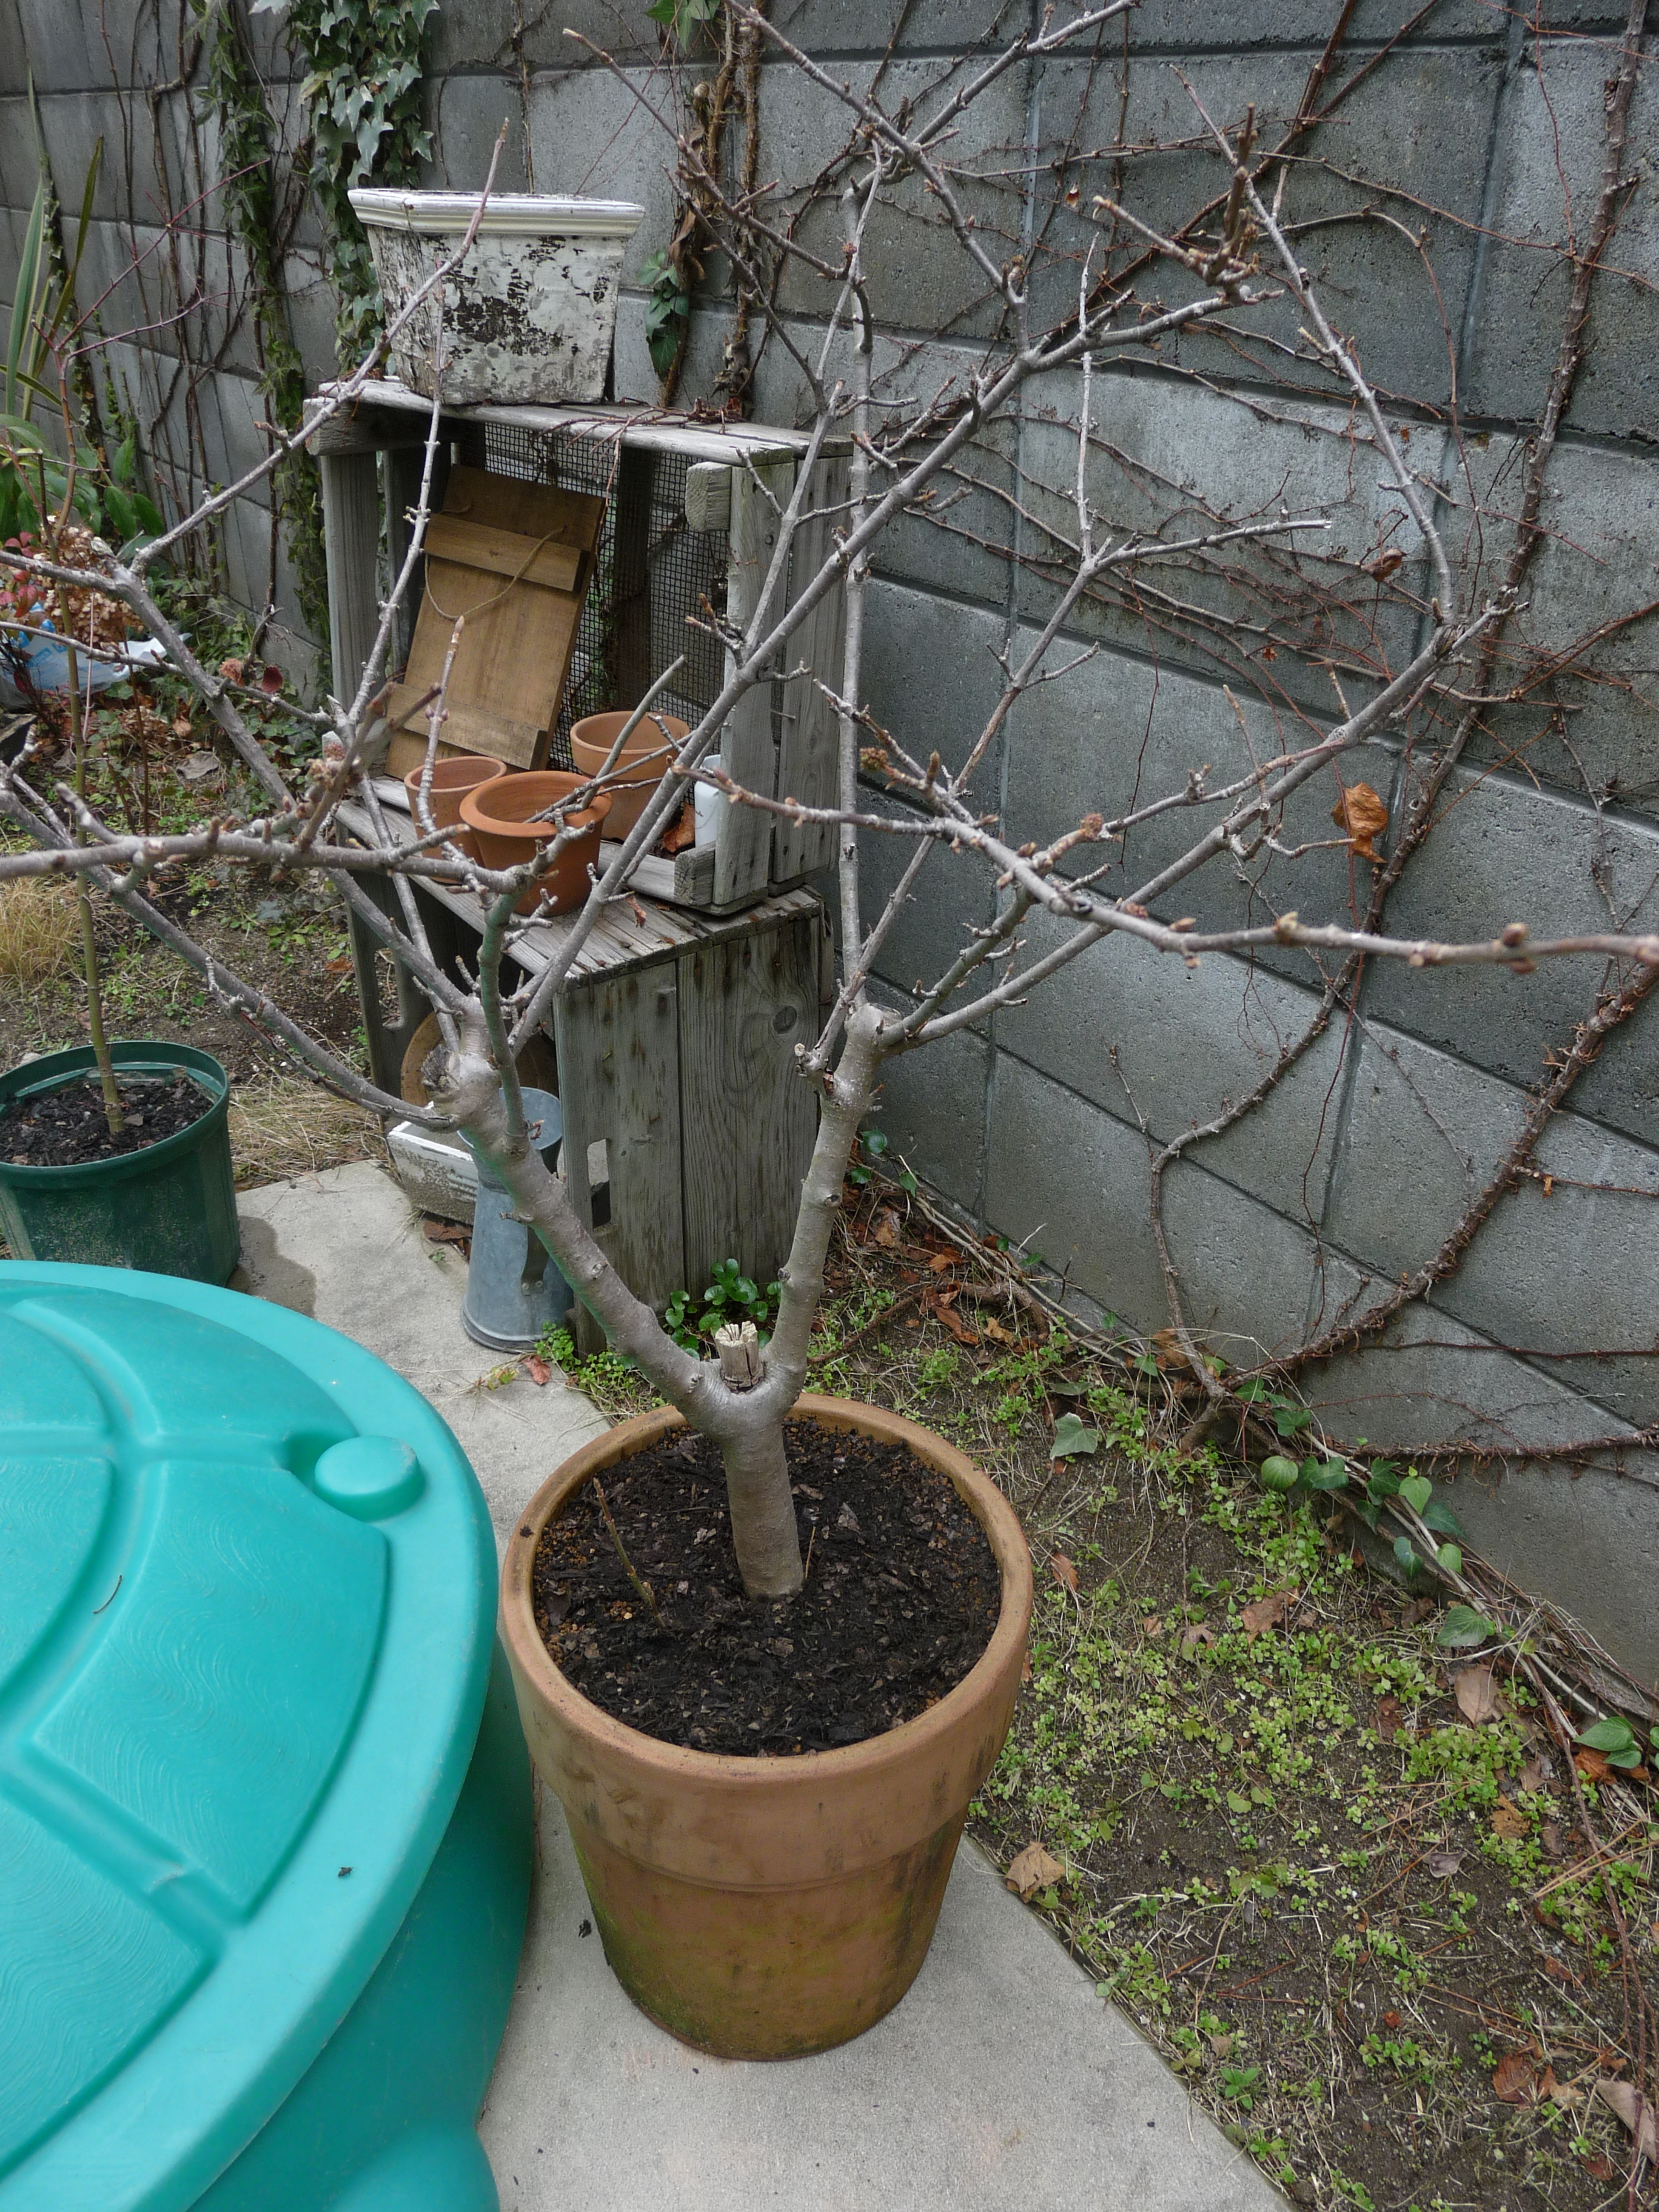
[1002,2083]
[345,1246]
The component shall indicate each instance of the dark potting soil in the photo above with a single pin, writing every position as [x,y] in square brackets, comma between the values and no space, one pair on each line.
[66,1128]
[901,1597]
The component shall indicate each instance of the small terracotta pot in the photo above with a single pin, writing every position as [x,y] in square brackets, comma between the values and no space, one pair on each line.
[451,779]
[498,812]
[764,1908]
[591,740]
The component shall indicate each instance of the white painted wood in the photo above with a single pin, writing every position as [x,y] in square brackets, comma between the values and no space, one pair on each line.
[742,834]
[351,539]
[808,738]
[707,496]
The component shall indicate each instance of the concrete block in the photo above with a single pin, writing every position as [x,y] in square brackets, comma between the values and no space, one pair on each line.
[14,54]
[1418,126]
[139,172]
[952,896]
[1147,1038]
[1173,461]
[1596,735]
[465,114]
[932,1109]
[1548,173]
[478,38]
[826,28]
[1163,25]
[921,280]
[929,676]
[1071,1182]
[1115,734]
[1505,851]
[1546,1274]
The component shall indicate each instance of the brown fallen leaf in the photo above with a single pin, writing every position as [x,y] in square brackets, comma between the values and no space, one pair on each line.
[445,1233]
[1532,1776]
[1362,814]
[1196,1633]
[1417,1611]
[538,1370]
[181,724]
[1509,1820]
[1166,1349]
[943,1260]
[1590,1764]
[1550,1837]
[1033,1869]
[1516,2081]
[1387,1718]
[1265,1613]
[1221,2047]
[1025,1673]
[1064,1570]
[681,832]
[1477,1701]
[954,1323]
[1634,2111]
[991,1326]
[1442,1865]
[1563,2093]
[887,1229]
[1153,1625]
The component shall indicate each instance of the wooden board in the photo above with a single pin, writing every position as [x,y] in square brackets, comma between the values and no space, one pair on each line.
[748,1118]
[514,654]
[742,834]
[618,1042]
[809,739]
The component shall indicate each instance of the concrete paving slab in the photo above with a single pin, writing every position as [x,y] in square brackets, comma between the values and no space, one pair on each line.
[1002,2083]
[345,1246]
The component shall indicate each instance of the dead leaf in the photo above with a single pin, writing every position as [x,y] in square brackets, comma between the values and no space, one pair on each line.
[958,1326]
[1166,1349]
[197,767]
[342,966]
[1532,1776]
[1550,1837]
[1599,2166]
[1388,1717]
[1199,1632]
[1153,1625]
[270,680]
[445,1233]
[1509,1820]
[1477,1701]
[887,1229]
[681,832]
[991,1326]
[1064,1571]
[1033,1869]
[1442,1865]
[181,724]
[1634,2111]
[941,1261]
[1558,2093]
[1590,1764]
[1362,814]
[538,1370]
[1025,1673]
[1221,2047]
[1391,2020]
[1417,1611]
[1265,1613]
[232,669]
[1516,2081]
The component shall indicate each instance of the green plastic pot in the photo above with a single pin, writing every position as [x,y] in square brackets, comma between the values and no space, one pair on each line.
[169,1208]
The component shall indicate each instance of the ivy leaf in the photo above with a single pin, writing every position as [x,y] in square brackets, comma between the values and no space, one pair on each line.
[1463,1625]
[1616,1738]
[1324,1474]
[1288,1419]
[1072,1437]
[1417,1490]
[1440,1517]
[1450,1559]
[1403,1552]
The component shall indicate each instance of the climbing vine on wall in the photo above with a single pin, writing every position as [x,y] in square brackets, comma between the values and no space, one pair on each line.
[261,225]
[368,118]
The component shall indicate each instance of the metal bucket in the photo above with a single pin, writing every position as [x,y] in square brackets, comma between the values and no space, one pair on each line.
[513,1289]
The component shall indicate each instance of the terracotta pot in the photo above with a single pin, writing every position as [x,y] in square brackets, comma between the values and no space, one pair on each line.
[498,812]
[591,740]
[764,1908]
[451,780]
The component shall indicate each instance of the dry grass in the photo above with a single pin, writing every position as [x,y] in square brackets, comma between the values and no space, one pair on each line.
[39,932]
[287,1126]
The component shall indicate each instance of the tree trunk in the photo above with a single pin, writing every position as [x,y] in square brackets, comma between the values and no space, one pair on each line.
[764,1534]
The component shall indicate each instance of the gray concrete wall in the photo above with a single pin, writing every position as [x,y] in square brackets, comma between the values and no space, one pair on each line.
[1040,1123]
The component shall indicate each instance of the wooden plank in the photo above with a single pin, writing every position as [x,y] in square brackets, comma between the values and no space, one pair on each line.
[645,429]
[466,729]
[618,1049]
[364,430]
[707,496]
[403,468]
[351,537]
[503,553]
[743,835]
[748,1119]
[808,741]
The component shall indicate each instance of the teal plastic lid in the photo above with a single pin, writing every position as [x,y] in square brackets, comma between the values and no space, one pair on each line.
[247,1610]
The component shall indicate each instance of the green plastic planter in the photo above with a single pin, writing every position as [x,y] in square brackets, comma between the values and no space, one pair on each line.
[169,1209]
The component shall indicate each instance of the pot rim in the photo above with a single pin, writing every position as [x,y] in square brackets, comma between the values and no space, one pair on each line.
[509,215]
[811,1769]
[496,768]
[139,1056]
[646,738]
[591,816]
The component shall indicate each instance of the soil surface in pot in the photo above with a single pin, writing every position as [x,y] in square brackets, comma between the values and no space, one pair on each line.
[68,1127]
[901,1598]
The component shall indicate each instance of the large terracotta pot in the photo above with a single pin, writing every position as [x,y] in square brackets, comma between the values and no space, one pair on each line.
[499,812]
[452,779]
[764,1908]
[591,740]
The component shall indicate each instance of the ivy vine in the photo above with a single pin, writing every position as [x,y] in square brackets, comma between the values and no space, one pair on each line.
[245,141]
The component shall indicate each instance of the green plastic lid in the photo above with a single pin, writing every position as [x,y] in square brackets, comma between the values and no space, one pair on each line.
[246,1611]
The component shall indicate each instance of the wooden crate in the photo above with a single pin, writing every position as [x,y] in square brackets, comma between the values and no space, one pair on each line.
[781,737]
[687,1130]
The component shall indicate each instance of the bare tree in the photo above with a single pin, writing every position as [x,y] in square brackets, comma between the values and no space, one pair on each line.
[1102,283]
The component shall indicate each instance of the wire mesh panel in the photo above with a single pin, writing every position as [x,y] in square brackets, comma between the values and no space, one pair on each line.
[655,580]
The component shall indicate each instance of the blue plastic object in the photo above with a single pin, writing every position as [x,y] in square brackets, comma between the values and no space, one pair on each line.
[513,1289]
[265,1804]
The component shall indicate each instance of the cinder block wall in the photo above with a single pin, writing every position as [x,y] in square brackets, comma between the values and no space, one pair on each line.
[1040,1124]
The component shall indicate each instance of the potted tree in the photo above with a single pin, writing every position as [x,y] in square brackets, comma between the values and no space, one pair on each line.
[777,1901]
